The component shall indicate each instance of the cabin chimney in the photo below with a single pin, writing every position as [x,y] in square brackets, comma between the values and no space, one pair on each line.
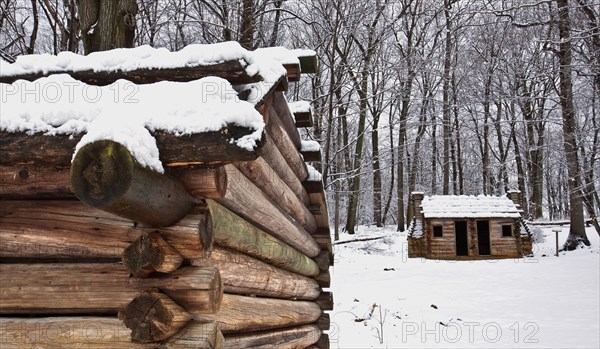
[516,197]
[416,200]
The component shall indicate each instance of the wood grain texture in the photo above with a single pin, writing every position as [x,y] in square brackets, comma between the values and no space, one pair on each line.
[100,288]
[298,337]
[71,230]
[267,313]
[105,175]
[152,316]
[264,177]
[286,118]
[247,200]
[245,275]
[208,148]
[232,231]
[33,181]
[208,183]
[151,253]
[286,146]
[88,332]
[271,154]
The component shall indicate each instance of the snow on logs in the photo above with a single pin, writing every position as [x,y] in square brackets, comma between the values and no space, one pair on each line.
[145,64]
[217,232]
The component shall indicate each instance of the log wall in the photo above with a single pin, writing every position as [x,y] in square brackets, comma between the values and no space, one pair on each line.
[229,248]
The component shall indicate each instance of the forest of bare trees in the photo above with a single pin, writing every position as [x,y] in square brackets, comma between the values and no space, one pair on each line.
[439,96]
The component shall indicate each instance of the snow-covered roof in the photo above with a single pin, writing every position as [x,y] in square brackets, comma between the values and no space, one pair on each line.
[310,146]
[127,113]
[467,206]
[313,174]
[147,57]
[284,55]
[299,107]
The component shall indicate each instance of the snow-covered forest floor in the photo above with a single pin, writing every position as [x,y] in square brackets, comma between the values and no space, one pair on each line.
[537,302]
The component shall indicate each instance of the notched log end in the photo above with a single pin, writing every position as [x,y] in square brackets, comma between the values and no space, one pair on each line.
[153,317]
[101,172]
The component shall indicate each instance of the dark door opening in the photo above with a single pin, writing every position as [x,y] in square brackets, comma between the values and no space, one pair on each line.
[462,242]
[483,238]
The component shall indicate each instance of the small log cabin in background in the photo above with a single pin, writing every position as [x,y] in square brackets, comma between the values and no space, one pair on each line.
[468,227]
[228,248]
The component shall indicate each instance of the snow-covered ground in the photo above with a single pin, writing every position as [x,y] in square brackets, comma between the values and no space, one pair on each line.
[538,302]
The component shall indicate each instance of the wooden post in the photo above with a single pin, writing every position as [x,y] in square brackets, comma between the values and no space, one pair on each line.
[100,288]
[105,175]
[97,333]
[267,313]
[289,338]
[556,231]
[153,317]
[264,177]
[151,253]
[71,230]
[243,197]
[230,230]
[245,275]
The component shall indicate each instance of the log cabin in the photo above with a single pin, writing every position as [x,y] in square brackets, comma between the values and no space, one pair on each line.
[156,199]
[468,227]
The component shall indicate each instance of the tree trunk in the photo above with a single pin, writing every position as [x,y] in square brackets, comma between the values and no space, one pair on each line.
[247,25]
[106,25]
[577,235]
[376,172]
[447,130]
[355,180]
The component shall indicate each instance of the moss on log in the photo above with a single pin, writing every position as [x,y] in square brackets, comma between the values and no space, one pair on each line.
[105,175]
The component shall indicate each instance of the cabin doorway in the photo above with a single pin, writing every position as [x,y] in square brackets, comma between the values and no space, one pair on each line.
[483,238]
[462,242]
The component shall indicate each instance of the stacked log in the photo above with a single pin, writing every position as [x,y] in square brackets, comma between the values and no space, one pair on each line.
[228,248]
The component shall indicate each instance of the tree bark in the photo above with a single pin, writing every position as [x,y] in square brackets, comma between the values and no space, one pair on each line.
[106,25]
[577,235]
[447,130]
